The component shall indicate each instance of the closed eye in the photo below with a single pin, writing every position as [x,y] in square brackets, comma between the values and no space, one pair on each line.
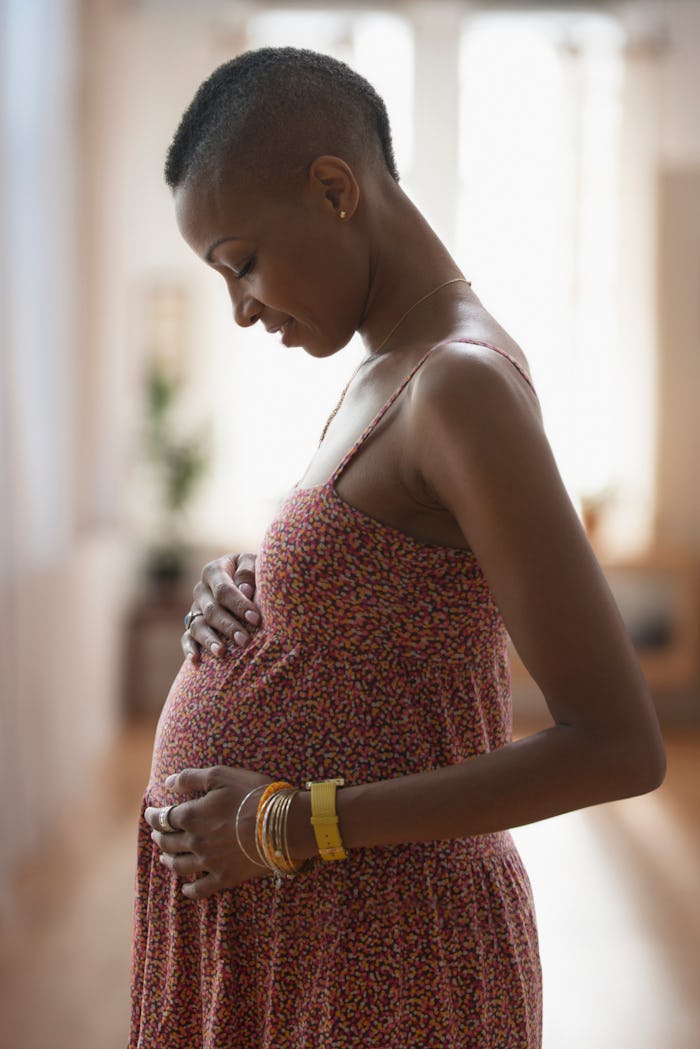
[239,274]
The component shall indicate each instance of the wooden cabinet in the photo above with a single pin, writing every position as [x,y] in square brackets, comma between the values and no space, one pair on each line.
[152,650]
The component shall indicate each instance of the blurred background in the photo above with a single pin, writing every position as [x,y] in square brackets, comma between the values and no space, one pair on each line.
[556,150]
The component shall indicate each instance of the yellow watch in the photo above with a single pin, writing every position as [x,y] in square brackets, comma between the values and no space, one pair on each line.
[324,819]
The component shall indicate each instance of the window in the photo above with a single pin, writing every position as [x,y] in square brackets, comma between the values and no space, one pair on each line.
[537,229]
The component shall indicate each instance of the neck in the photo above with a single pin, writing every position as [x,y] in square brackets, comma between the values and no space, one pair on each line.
[400,279]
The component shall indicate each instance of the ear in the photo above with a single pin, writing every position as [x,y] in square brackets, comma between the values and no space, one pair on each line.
[334,187]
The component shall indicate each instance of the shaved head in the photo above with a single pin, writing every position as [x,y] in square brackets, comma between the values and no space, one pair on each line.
[264,116]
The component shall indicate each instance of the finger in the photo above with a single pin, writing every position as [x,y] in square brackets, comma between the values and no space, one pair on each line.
[172,844]
[219,578]
[216,622]
[190,649]
[205,886]
[206,636]
[183,864]
[152,818]
[244,576]
[189,781]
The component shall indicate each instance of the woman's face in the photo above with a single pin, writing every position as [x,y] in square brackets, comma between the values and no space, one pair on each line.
[287,259]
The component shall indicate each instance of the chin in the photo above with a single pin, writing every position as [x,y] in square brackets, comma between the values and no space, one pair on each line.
[326,348]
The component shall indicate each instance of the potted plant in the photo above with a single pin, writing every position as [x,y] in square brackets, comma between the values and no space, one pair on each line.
[179,463]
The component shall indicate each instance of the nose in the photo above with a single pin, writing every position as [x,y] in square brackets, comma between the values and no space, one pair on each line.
[246,309]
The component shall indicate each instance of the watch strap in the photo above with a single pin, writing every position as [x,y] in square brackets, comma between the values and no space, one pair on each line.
[324,818]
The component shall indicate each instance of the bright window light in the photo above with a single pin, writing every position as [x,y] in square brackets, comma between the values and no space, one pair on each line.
[539,168]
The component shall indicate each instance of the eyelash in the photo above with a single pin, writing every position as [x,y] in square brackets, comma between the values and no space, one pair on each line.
[246,269]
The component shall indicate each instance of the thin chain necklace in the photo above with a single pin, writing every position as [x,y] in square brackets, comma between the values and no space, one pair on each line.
[382,344]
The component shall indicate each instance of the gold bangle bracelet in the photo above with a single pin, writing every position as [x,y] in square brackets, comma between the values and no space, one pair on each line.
[271,831]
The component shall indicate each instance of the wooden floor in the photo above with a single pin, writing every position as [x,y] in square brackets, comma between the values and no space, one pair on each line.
[617,891]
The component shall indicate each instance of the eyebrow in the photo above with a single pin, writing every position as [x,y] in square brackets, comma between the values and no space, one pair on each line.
[221,240]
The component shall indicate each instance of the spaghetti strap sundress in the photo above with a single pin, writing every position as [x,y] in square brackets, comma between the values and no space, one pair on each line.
[378,656]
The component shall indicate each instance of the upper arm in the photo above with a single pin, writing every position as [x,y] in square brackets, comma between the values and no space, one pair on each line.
[483,451]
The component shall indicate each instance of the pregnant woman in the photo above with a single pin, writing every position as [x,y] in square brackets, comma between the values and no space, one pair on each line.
[324,860]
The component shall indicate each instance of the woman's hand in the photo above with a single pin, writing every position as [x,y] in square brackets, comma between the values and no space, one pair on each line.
[224,595]
[205,840]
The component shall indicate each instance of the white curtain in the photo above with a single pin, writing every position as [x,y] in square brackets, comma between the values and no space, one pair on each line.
[38,187]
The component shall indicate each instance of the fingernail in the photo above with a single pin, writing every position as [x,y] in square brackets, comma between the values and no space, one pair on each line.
[217,649]
[253,617]
[240,638]
[246,589]
[169,781]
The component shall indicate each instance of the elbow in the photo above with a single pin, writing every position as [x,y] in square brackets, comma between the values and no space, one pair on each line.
[656,767]
[632,751]
[625,764]
[642,765]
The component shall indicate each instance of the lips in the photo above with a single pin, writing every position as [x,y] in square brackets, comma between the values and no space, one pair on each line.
[287,333]
[279,327]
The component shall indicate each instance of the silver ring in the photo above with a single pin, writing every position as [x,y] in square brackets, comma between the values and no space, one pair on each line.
[190,618]
[164,820]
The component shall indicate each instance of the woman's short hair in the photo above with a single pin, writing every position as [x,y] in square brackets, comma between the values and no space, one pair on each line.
[265,115]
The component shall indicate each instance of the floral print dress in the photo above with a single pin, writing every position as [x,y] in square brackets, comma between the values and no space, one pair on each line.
[378,656]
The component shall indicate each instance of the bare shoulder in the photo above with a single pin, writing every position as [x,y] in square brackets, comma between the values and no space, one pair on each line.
[474,385]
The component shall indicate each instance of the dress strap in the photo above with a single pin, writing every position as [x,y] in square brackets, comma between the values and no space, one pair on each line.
[503,353]
[379,416]
[369,429]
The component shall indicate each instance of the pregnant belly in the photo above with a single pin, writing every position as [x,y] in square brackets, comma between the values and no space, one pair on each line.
[226,712]
[300,712]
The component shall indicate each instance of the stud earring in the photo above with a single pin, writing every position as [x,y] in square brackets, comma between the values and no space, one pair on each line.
[342,215]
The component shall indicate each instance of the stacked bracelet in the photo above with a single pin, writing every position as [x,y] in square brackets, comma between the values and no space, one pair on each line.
[271,818]
[237,828]
[271,830]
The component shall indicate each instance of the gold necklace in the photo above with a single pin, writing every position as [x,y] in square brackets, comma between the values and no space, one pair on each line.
[402,318]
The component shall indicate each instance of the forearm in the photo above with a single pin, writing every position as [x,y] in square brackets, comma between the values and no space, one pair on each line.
[557,770]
